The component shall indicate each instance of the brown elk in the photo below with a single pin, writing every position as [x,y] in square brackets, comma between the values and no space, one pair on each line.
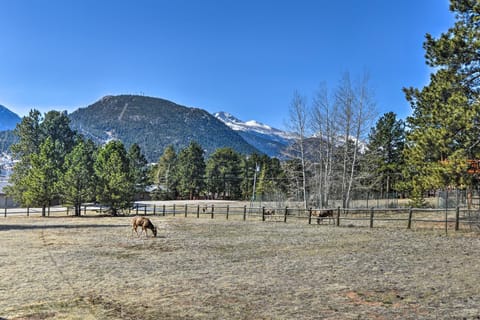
[145,224]
[320,214]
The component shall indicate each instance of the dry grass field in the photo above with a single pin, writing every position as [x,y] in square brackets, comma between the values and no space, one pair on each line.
[93,268]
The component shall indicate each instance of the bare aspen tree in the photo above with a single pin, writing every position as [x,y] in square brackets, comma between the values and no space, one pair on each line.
[324,124]
[298,124]
[357,111]
[345,100]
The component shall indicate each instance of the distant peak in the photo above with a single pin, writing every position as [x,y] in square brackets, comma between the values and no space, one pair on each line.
[226,117]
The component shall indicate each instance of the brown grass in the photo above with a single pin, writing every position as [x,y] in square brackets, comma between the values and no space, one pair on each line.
[92,268]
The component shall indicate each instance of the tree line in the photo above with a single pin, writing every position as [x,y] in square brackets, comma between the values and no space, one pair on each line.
[57,165]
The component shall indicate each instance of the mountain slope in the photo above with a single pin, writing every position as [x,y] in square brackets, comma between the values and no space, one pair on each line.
[154,124]
[268,140]
[8,119]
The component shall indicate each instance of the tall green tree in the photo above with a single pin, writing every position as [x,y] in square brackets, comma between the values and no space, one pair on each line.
[383,161]
[223,173]
[29,140]
[115,184]
[77,184]
[139,168]
[444,128]
[32,132]
[164,174]
[191,171]
[271,183]
[42,177]
[249,173]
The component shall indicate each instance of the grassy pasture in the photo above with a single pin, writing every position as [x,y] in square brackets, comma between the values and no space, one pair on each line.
[93,268]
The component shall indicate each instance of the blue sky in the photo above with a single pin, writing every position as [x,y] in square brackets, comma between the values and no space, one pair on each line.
[244,57]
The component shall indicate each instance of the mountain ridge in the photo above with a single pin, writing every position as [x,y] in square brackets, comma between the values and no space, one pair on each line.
[155,123]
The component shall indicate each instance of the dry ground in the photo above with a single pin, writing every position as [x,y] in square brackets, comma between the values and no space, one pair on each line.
[93,268]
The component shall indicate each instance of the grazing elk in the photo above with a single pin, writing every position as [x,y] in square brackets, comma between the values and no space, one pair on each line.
[320,214]
[145,224]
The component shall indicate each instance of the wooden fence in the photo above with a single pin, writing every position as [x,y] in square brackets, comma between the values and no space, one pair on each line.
[408,218]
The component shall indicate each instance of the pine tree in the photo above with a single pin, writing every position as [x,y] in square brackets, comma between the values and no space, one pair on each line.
[443,130]
[383,161]
[164,175]
[78,181]
[42,177]
[139,168]
[190,171]
[115,184]
[223,173]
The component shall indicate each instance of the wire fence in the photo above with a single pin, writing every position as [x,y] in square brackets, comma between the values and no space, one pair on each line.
[456,219]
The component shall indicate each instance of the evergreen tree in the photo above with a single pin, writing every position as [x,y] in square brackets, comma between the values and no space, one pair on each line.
[249,173]
[42,177]
[223,173]
[29,140]
[383,161]
[444,130]
[191,171]
[139,168]
[164,175]
[271,180]
[115,184]
[32,132]
[77,184]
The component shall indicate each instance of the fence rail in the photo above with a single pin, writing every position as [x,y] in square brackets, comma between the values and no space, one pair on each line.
[408,218]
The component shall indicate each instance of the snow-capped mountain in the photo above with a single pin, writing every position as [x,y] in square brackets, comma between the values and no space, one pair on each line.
[270,141]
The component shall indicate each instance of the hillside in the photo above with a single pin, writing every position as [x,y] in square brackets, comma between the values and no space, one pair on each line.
[154,124]
[8,119]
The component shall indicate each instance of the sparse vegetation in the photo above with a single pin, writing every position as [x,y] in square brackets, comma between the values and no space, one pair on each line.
[93,268]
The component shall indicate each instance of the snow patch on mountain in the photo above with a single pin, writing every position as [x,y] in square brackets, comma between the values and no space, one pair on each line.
[253,126]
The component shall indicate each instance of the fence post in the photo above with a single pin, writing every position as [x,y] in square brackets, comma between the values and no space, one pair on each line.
[28,211]
[371,217]
[163,210]
[154,209]
[457,219]
[174,209]
[244,212]
[410,214]
[228,209]
[145,209]
[310,216]
[263,213]
[136,210]
[198,211]
[338,216]
[285,215]
[446,218]
[212,211]
[186,210]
